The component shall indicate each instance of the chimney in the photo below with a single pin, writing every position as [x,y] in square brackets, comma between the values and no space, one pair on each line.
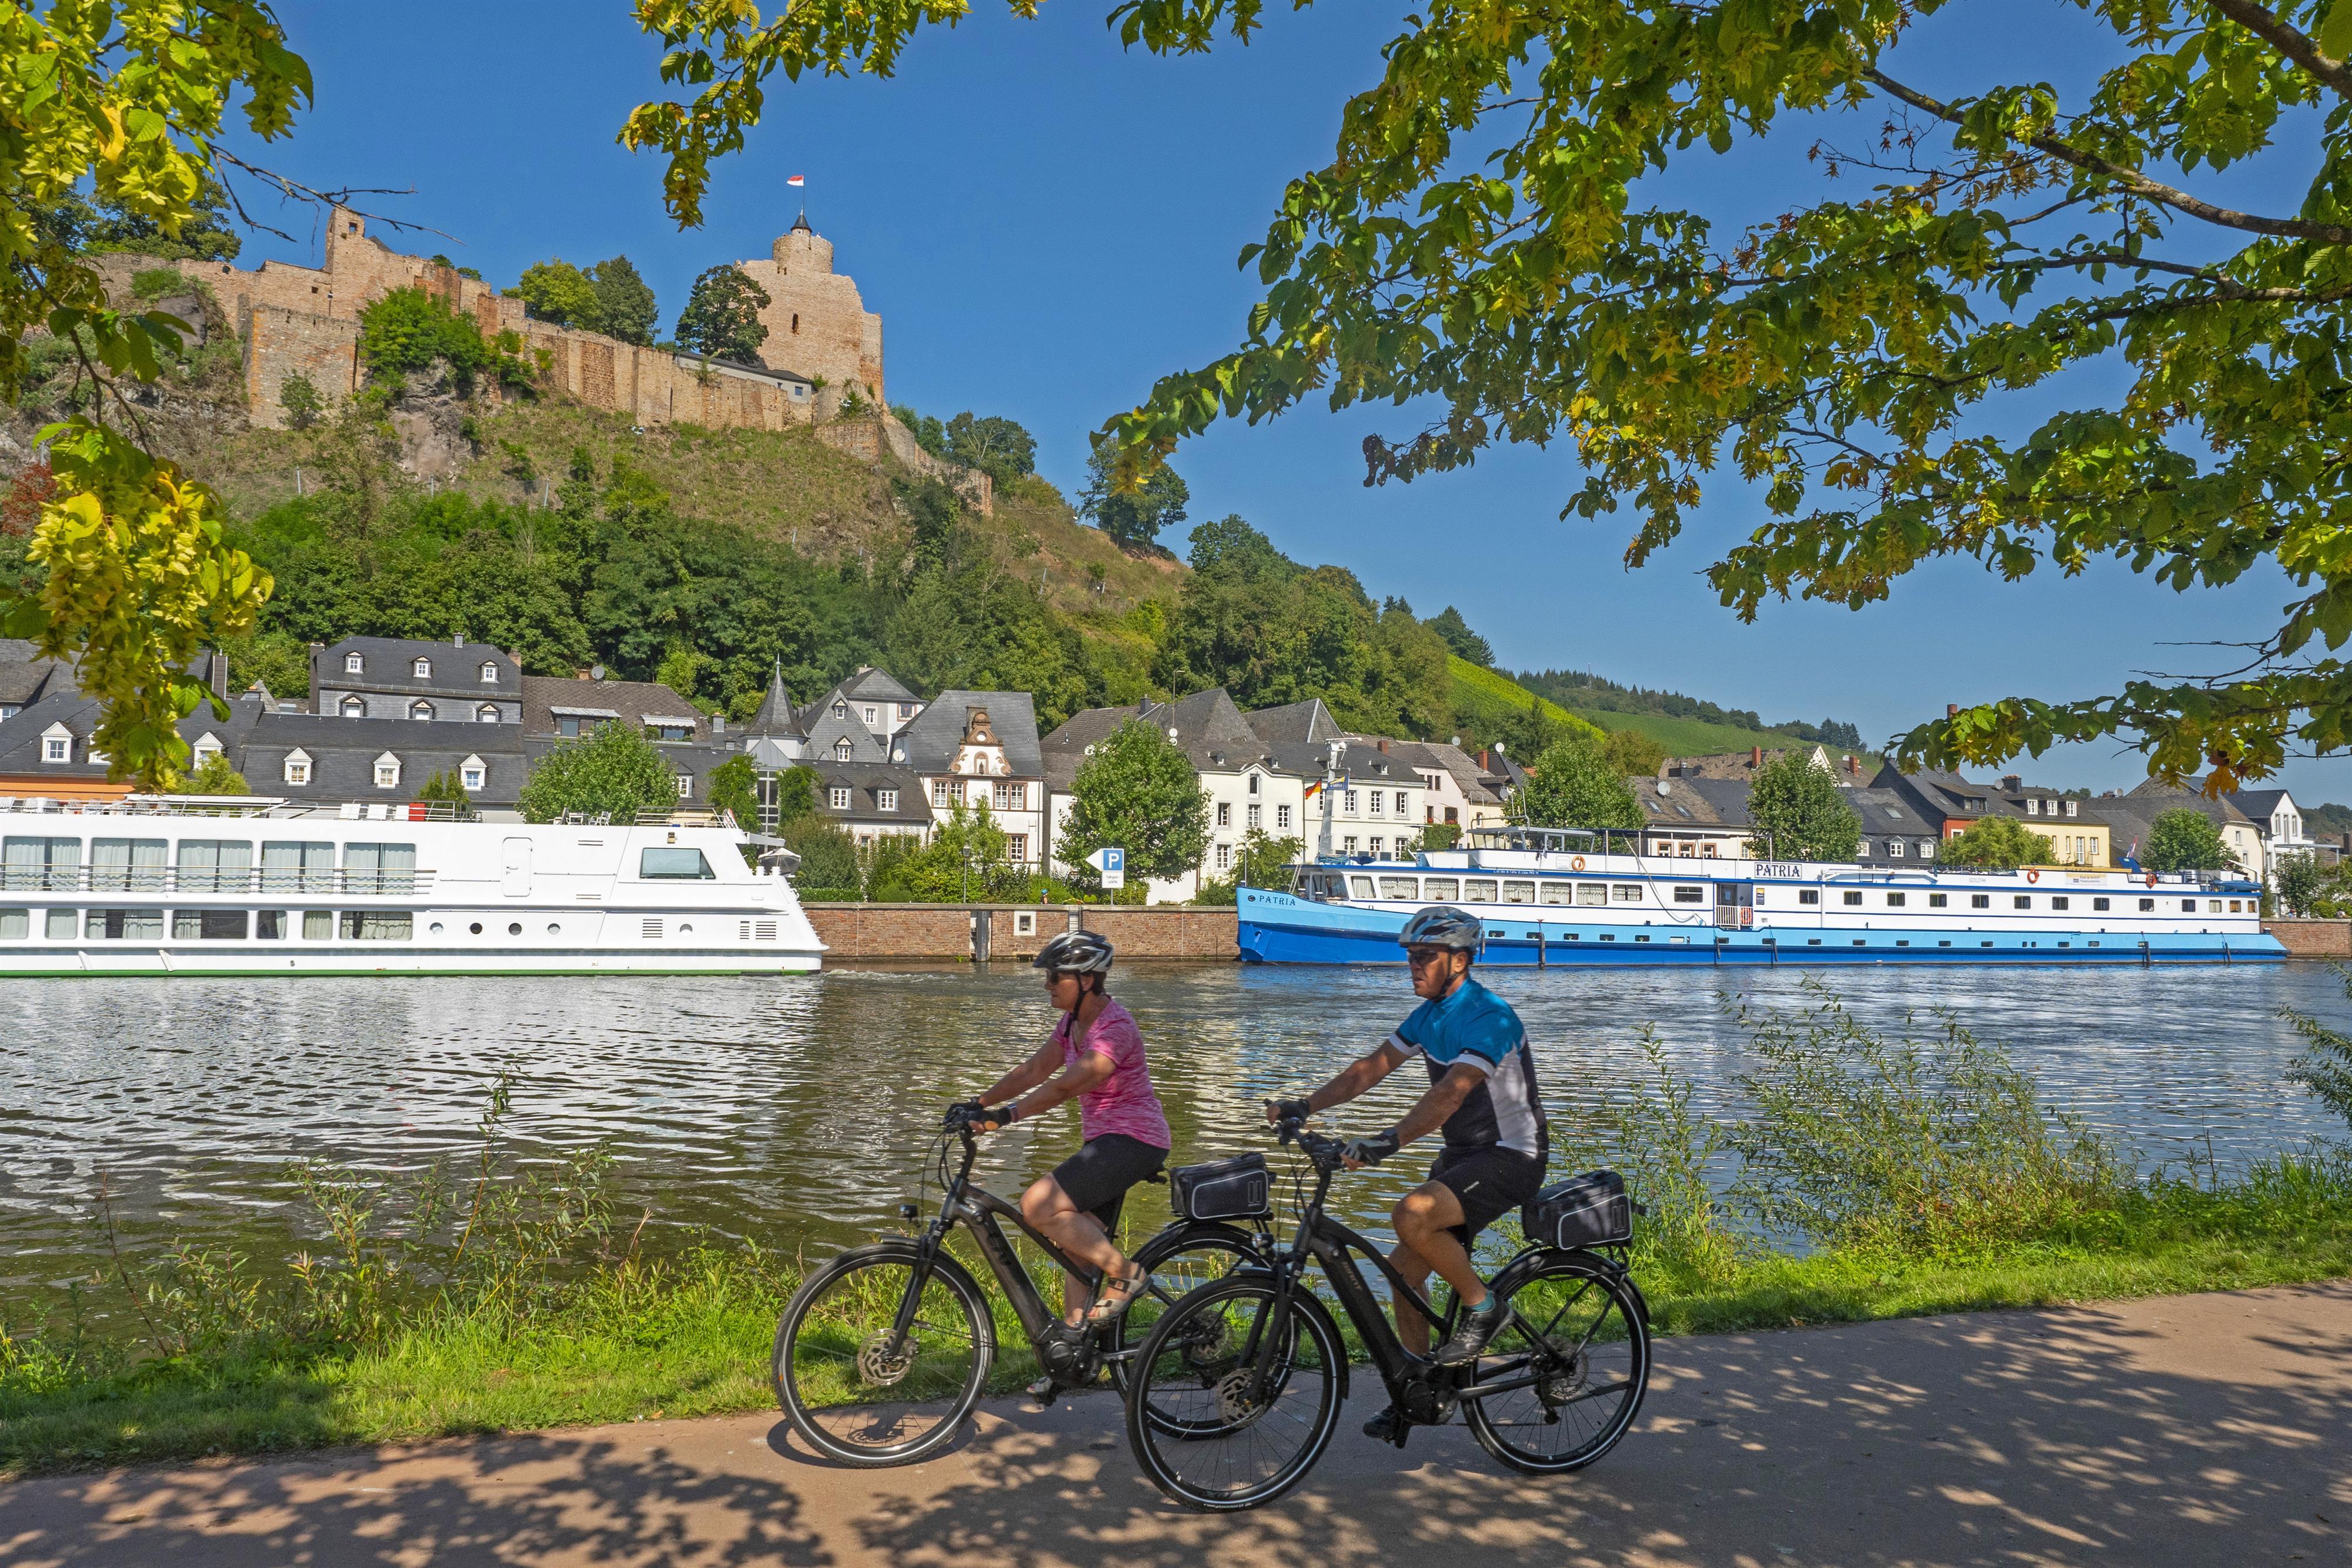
[1755,756]
[579,674]
[1951,710]
[718,724]
[1854,767]
[2011,782]
[1384,745]
[1483,765]
[458,641]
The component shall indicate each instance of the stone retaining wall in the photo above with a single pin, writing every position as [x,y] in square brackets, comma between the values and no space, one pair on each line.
[2313,938]
[853,931]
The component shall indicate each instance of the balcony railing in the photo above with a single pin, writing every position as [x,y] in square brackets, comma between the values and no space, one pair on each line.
[187,884]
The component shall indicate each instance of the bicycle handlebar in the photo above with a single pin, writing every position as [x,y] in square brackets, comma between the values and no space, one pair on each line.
[1323,1152]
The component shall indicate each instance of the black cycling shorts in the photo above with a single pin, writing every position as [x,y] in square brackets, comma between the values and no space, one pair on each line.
[1097,1177]
[1488,1181]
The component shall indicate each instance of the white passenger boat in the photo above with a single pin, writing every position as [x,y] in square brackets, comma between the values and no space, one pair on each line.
[247,885]
[1553,896]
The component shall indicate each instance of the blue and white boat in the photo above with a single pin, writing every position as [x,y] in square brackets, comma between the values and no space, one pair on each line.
[1562,896]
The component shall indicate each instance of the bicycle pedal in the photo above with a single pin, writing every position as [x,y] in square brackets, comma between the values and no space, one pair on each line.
[1045,1400]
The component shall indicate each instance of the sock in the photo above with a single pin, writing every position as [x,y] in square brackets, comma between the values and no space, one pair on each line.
[1491,1304]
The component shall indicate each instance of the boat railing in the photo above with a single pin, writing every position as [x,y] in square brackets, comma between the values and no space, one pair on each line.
[683,817]
[186,881]
[244,806]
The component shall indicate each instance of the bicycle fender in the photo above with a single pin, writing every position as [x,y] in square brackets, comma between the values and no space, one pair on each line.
[1175,1237]
[1516,1271]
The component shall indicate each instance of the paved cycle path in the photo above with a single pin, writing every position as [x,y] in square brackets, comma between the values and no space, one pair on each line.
[2192,1429]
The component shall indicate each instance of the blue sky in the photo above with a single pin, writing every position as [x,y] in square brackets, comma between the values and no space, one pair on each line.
[1046,224]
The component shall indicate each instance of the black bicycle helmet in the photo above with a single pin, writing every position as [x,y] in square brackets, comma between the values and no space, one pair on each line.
[1443,926]
[1074,953]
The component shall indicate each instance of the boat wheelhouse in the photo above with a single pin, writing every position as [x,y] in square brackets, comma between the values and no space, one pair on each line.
[248,885]
[1551,896]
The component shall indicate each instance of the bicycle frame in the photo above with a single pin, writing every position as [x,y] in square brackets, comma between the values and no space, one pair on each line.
[977,1209]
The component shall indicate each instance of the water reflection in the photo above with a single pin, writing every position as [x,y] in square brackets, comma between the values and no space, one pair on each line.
[796,1111]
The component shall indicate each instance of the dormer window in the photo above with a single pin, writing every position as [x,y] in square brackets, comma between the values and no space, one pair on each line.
[353,707]
[56,744]
[354,664]
[840,709]
[387,771]
[473,774]
[422,669]
[487,713]
[207,747]
[298,767]
[420,709]
[841,749]
[489,673]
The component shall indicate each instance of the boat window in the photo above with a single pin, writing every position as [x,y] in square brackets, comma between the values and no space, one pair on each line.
[1625,891]
[60,925]
[1400,887]
[2147,906]
[2099,903]
[1591,893]
[291,865]
[40,864]
[2212,905]
[210,866]
[1518,893]
[1808,895]
[2233,907]
[2188,906]
[1853,898]
[1441,889]
[208,925]
[1558,893]
[380,868]
[674,864]
[15,924]
[2022,901]
[1690,896]
[382,925]
[2058,901]
[269,925]
[1360,887]
[124,924]
[1981,900]
[125,863]
[1478,890]
[318,925]
[1896,900]
[1937,900]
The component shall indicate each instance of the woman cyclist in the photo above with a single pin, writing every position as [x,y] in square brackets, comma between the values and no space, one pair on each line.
[1098,1055]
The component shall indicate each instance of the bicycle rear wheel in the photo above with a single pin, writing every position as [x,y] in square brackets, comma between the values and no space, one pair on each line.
[855,1395]
[1200,1430]
[1179,1262]
[1578,1346]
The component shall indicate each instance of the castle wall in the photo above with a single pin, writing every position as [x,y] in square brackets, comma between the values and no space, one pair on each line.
[279,343]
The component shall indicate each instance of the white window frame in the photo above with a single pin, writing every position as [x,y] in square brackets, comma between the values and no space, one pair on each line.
[298,767]
[843,750]
[873,716]
[942,791]
[1281,818]
[420,668]
[488,714]
[838,798]
[355,665]
[352,706]
[887,799]
[473,774]
[56,744]
[686,786]
[387,771]
[489,673]
[420,703]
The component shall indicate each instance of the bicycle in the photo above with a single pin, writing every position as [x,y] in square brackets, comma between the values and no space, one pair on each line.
[884,1351]
[1237,1391]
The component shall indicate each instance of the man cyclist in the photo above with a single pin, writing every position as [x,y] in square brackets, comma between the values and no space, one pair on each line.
[1481,1093]
[1099,1053]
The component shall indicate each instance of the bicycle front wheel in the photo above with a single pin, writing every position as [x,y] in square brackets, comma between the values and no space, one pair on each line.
[861,1395]
[1207,1430]
[1572,1366]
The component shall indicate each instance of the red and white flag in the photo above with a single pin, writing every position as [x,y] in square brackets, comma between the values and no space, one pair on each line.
[795,179]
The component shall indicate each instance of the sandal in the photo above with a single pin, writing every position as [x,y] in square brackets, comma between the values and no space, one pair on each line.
[1117,1296]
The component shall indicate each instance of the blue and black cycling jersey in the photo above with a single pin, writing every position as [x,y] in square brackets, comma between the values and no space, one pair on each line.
[1475,1025]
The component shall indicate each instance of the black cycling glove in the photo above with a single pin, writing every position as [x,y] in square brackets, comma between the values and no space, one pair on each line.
[965,1112]
[1371,1151]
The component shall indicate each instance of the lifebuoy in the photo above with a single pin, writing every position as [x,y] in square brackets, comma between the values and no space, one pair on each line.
[2151,879]
[2033,876]
[1576,865]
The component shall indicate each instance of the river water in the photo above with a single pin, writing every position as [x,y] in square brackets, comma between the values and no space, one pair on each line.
[798,1111]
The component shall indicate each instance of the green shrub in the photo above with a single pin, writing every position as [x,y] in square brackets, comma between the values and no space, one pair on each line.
[158,283]
[828,894]
[408,331]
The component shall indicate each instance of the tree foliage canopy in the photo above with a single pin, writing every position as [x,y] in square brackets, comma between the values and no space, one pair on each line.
[1802,811]
[1137,792]
[1574,785]
[1136,513]
[1900,367]
[615,772]
[1997,843]
[2185,839]
[722,316]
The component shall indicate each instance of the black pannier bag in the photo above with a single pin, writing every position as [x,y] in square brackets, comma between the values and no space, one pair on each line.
[1587,1210]
[1236,1189]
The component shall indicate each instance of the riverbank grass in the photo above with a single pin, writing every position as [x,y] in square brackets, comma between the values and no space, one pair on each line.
[1863,1177]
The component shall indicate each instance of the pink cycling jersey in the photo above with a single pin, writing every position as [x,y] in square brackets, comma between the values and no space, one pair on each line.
[1123,1103]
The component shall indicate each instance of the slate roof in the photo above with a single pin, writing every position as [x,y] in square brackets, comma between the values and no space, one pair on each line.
[2259,805]
[1213,733]
[866,781]
[343,752]
[634,702]
[871,685]
[1296,723]
[1672,805]
[26,680]
[930,741]
[456,668]
[1442,757]
[20,738]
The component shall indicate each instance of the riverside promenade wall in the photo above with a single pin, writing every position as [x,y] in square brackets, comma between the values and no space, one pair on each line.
[854,931]
[2313,938]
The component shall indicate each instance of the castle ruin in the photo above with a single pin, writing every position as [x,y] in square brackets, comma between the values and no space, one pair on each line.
[823,345]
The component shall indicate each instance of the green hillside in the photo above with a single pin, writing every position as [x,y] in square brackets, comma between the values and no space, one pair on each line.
[1484,698]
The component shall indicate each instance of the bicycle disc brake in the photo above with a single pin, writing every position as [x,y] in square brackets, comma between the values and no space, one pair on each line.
[881,1367]
[1237,1405]
[1562,1379]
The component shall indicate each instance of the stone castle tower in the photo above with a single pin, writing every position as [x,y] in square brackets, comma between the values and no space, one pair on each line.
[817,324]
